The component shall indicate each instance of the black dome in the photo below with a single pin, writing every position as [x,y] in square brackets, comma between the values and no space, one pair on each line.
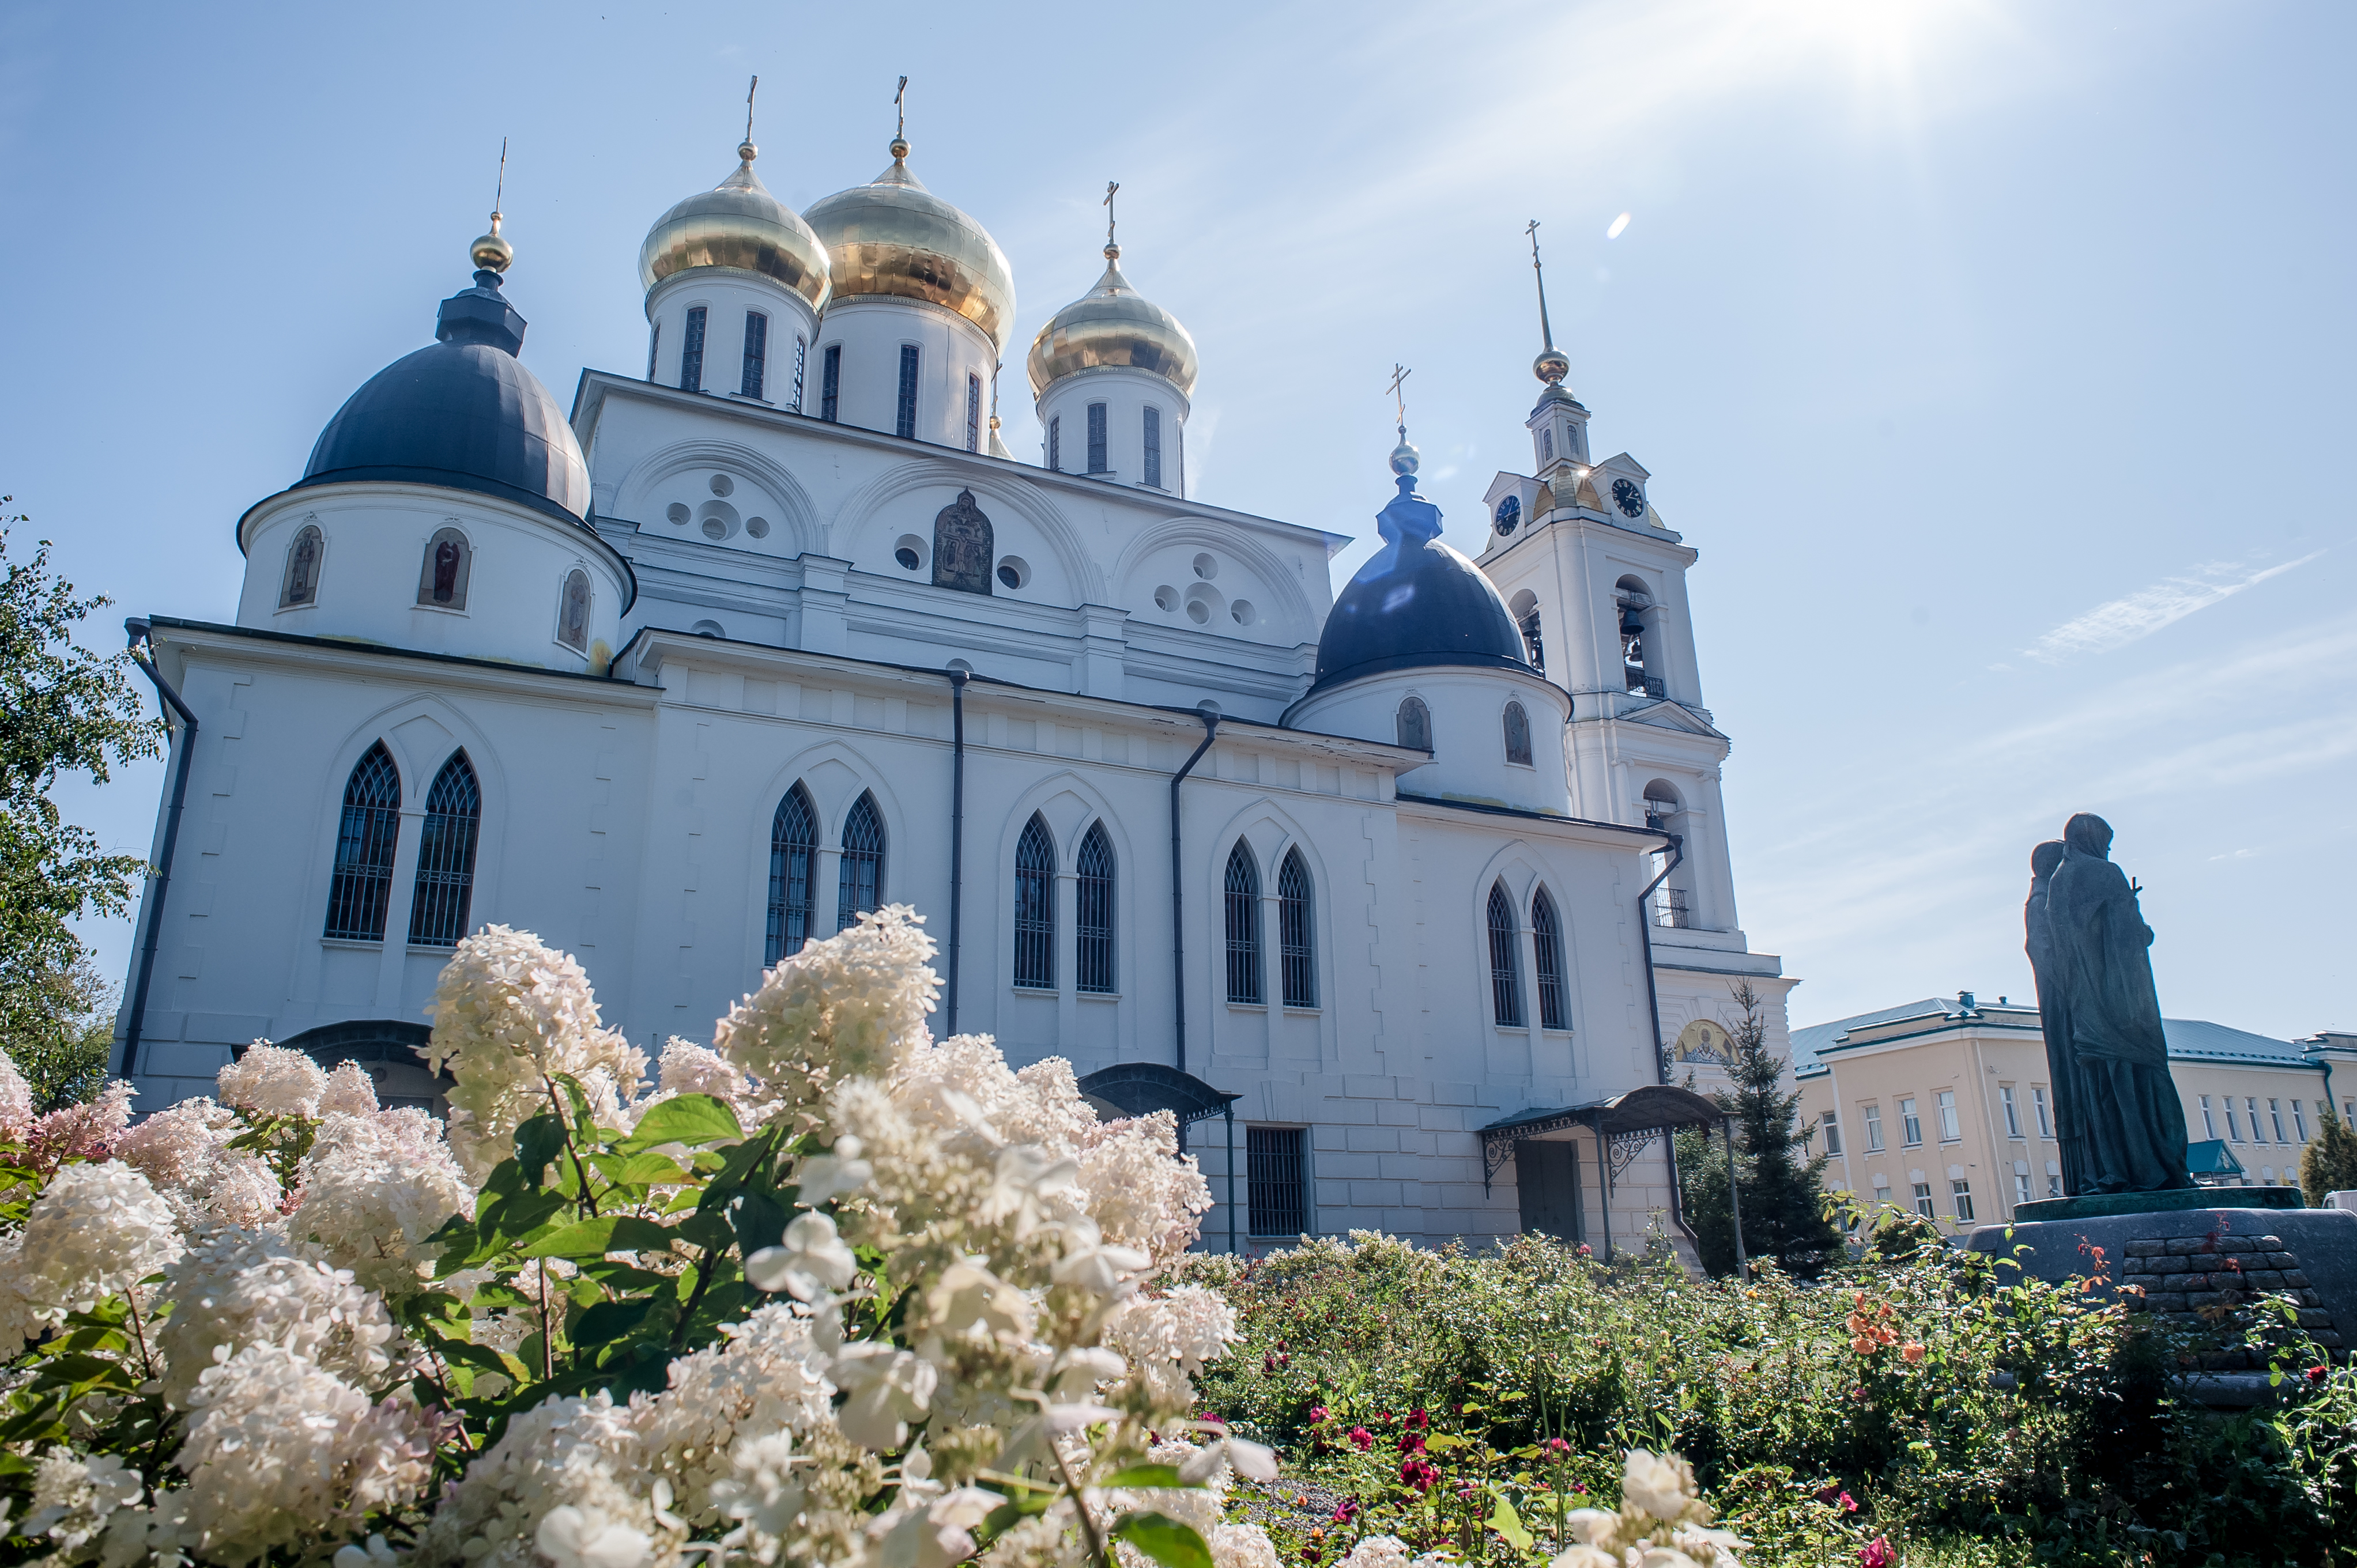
[464,414]
[1415,604]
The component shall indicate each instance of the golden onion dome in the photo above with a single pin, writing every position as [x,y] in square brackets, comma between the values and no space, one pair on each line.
[1112,324]
[892,236]
[738,224]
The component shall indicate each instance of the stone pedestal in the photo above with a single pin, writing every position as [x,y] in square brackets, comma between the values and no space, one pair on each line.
[2193,1261]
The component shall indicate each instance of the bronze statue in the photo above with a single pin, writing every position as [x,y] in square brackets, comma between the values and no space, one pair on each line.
[2130,1123]
[2054,1017]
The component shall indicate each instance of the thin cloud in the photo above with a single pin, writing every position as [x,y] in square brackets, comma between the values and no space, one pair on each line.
[2125,621]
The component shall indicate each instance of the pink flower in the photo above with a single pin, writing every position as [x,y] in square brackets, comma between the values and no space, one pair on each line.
[1362,1439]
[1418,1420]
[1421,1474]
[1557,1448]
[1318,1413]
[1875,1553]
[2318,1374]
[1848,1504]
[1411,1442]
[1346,1511]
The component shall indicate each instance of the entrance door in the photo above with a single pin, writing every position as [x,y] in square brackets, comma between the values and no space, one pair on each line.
[1546,1178]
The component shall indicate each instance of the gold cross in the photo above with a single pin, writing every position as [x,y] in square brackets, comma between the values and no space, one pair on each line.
[1110,186]
[900,110]
[1400,373]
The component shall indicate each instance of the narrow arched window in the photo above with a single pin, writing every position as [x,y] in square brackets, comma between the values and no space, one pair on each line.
[904,414]
[1296,956]
[794,852]
[1517,734]
[974,414]
[362,882]
[573,612]
[654,346]
[757,354]
[446,856]
[1244,925]
[1098,463]
[859,883]
[691,351]
[802,364]
[830,382]
[1056,443]
[1505,971]
[1415,724]
[442,575]
[1093,912]
[1034,908]
[1547,939]
[1154,448]
[301,584]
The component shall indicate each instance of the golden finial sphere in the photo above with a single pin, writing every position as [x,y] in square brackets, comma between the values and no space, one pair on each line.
[1406,458]
[491,252]
[900,148]
[1551,366]
[748,151]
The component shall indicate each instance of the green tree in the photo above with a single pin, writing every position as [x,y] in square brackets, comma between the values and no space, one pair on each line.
[2329,1163]
[63,709]
[1782,1185]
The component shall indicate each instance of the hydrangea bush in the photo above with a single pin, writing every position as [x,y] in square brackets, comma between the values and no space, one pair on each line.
[830,1292]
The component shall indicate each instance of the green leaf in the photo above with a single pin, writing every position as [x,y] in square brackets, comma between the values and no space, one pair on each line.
[538,1140]
[649,1170]
[760,1221]
[610,1320]
[608,1233]
[710,1232]
[1508,1526]
[1163,1539]
[690,1119]
[1144,1476]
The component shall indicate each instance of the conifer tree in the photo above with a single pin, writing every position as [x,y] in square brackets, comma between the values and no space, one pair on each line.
[1781,1185]
[2328,1164]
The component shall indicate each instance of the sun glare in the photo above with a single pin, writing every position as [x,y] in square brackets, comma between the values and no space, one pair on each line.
[1619,224]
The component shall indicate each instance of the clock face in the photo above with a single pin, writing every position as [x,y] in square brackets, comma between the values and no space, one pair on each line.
[1510,513]
[1629,498]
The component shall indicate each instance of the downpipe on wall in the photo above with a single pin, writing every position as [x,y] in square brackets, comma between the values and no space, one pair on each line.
[1179,894]
[159,885]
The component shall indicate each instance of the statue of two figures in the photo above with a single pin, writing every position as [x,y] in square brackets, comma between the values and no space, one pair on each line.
[2119,1119]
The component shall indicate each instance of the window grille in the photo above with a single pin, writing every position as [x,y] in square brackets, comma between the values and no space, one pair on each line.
[1832,1124]
[802,360]
[1154,448]
[1034,908]
[1517,734]
[654,348]
[859,881]
[1962,1193]
[1243,926]
[1093,912]
[691,352]
[2012,1112]
[904,420]
[1532,640]
[1097,463]
[361,885]
[794,857]
[1056,444]
[830,382]
[1669,908]
[1295,957]
[973,413]
[1505,974]
[444,893]
[1874,1129]
[1910,1124]
[1546,933]
[1275,1173]
[756,353]
[1415,724]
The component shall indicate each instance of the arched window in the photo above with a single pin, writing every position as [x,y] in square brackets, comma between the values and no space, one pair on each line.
[1095,911]
[442,575]
[794,852]
[830,382]
[573,612]
[1547,936]
[1097,458]
[1243,926]
[859,883]
[973,413]
[1154,448]
[1056,444]
[801,363]
[362,882]
[1295,957]
[1034,908]
[1638,662]
[1517,734]
[1415,724]
[757,354]
[446,856]
[1505,971]
[654,346]
[1662,810]
[904,416]
[301,584]
[690,353]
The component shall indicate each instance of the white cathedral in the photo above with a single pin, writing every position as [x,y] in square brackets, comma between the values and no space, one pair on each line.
[1425,884]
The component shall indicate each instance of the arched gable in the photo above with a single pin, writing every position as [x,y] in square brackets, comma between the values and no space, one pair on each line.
[1001,497]
[797,529]
[1290,600]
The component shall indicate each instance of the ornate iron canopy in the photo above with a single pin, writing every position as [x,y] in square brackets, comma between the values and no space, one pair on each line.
[1625,1123]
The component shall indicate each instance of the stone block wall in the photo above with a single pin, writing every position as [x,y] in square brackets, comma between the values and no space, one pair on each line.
[2209,1276]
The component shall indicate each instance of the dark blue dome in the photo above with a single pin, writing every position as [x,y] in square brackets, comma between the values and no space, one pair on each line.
[464,414]
[1415,604]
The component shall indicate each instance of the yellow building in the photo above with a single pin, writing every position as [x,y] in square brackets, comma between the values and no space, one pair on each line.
[1945,1106]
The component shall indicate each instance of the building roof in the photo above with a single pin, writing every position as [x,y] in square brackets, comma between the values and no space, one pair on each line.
[2190,1039]
[1416,603]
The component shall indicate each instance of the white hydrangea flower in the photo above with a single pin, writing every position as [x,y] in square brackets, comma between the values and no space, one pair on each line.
[812,1260]
[839,1008]
[768,1378]
[576,1453]
[241,1288]
[19,1316]
[1142,1192]
[281,1451]
[274,1081]
[183,1150]
[1167,1337]
[687,1067]
[1243,1546]
[509,1015]
[1377,1552]
[15,1102]
[74,1498]
[889,1387]
[373,1189]
[94,1231]
[350,1092]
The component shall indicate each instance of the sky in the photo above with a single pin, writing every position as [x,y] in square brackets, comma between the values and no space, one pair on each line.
[1993,356]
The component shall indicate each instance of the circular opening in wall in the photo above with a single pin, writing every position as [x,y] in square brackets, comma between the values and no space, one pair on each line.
[713,527]
[1166,598]
[677,513]
[722,485]
[1243,612]
[1206,567]
[1203,602]
[909,552]
[1014,572]
[758,527]
[719,519]
[1199,612]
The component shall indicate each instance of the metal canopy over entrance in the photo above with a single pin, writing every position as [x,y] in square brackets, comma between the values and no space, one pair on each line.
[1140,1088]
[1623,1127]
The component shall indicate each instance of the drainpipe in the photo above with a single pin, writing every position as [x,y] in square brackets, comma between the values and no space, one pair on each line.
[1178,892]
[1231,1178]
[139,631]
[1677,848]
[957,830]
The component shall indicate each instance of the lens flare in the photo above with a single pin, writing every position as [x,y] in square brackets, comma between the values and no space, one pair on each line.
[1618,224]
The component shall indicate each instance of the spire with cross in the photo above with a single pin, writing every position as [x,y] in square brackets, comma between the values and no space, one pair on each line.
[1405,457]
[1553,364]
[1113,250]
[746,149]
